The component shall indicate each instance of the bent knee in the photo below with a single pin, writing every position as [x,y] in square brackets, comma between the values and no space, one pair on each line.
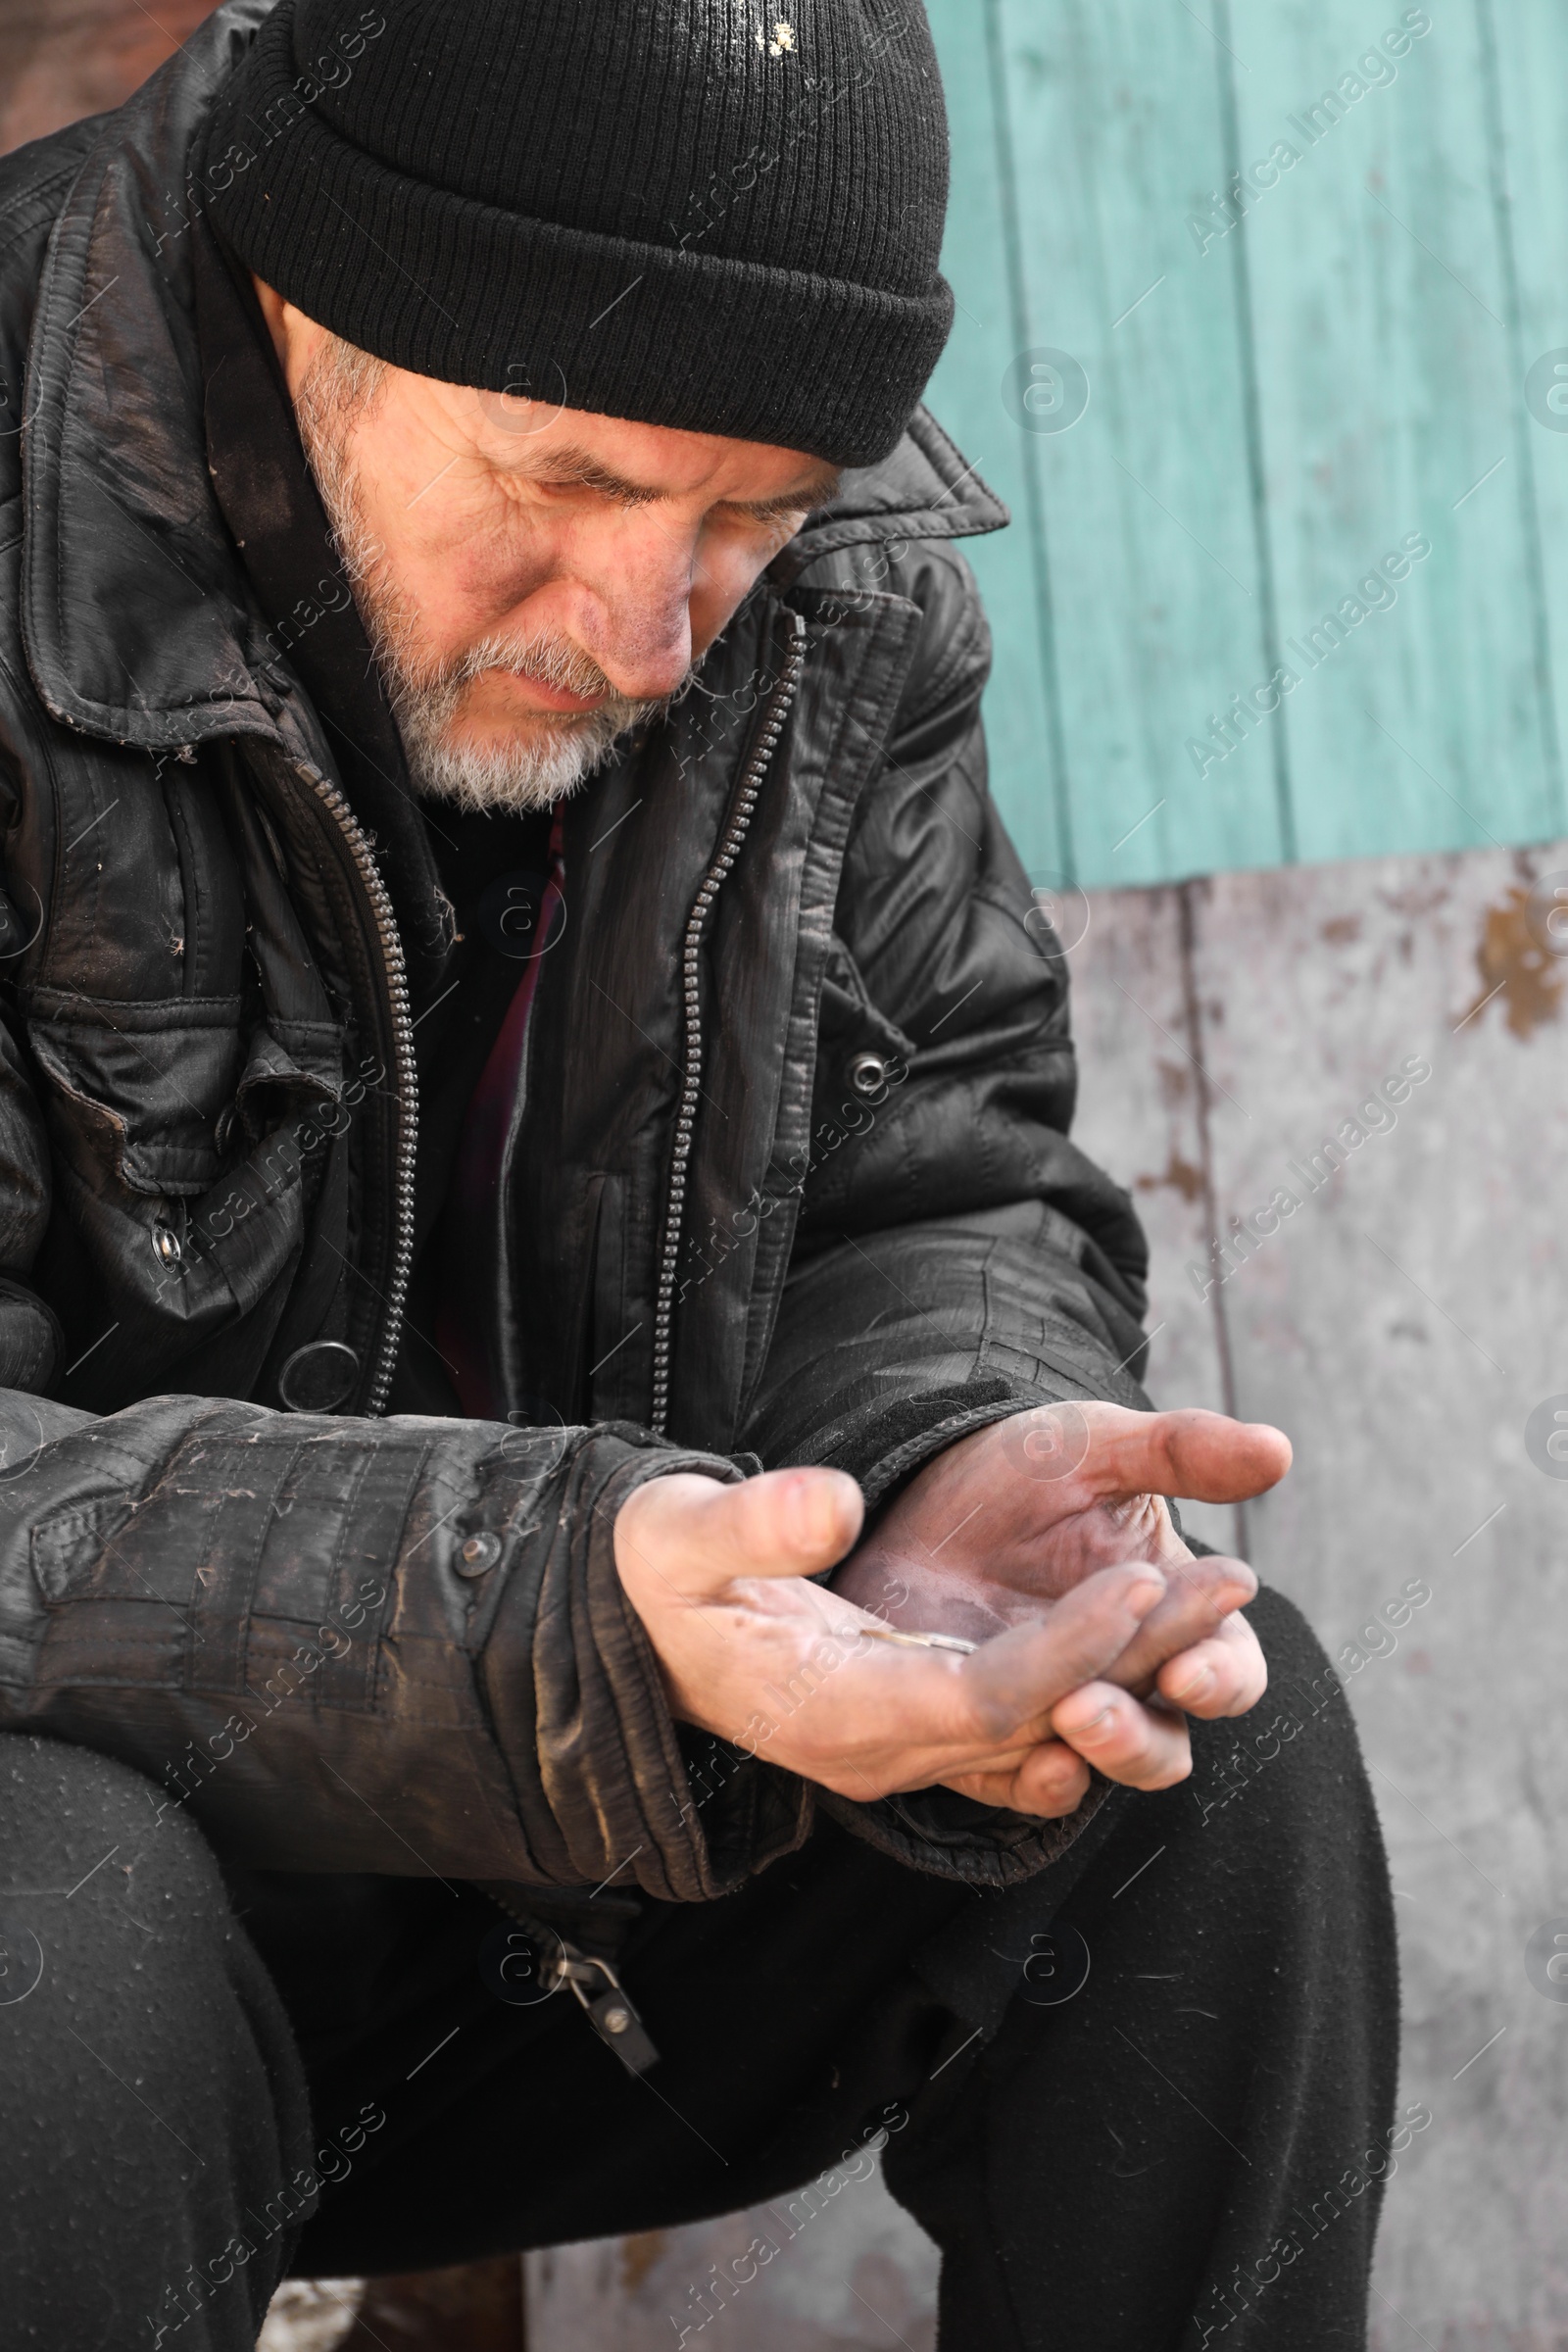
[51,1789]
[105,1871]
[1296,1751]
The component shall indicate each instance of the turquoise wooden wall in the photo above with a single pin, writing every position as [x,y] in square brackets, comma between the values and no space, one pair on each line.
[1369,358]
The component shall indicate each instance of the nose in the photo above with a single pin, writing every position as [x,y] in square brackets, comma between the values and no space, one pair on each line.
[647,649]
[643,635]
[648,675]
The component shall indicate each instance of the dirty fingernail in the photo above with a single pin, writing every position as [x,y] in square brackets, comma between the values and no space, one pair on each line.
[1198,1688]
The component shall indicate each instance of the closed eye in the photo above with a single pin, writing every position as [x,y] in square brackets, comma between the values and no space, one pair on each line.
[789,505]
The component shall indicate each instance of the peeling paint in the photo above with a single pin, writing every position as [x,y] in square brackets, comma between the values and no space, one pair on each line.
[638,2255]
[1180,1174]
[1515,968]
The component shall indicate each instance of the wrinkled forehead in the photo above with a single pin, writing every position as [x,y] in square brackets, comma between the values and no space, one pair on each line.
[629,463]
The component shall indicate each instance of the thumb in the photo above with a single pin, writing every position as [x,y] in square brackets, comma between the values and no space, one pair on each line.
[1189,1452]
[700,1535]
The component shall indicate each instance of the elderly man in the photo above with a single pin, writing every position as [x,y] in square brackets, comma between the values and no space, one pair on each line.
[591,1624]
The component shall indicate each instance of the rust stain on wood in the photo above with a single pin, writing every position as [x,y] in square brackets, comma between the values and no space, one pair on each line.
[1515,968]
[638,2254]
[1180,1174]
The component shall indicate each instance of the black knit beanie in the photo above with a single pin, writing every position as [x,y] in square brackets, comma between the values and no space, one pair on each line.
[694,213]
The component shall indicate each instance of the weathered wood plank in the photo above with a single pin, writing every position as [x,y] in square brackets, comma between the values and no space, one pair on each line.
[1402,1325]
[846,2272]
[1141,1115]
[1354,355]
[1521,47]
[965,395]
[1390,406]
[1115,115]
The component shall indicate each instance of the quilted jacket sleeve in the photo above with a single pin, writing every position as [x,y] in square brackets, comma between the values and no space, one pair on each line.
[398,1645]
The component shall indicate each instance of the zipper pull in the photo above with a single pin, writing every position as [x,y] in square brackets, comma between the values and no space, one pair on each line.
[611,2012]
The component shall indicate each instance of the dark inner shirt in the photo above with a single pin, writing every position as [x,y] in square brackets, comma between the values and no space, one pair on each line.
[491,868]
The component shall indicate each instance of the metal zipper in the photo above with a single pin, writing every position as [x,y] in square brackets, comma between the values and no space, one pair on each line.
[405,1083]
[741,813]
[611,2012]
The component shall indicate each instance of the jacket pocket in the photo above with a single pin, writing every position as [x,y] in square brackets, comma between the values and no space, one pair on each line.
[294,1070]
[134,1090]
[149,1094]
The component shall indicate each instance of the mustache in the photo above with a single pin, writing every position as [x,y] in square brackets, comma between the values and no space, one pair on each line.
[545,657]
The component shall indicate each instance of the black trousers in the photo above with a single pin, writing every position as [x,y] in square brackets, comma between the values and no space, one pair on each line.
[213,2080]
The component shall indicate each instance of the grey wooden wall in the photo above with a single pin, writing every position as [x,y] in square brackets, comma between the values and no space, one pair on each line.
[1404,1326]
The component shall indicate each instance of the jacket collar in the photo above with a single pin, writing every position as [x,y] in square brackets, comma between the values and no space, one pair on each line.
[121,522]
[926,490]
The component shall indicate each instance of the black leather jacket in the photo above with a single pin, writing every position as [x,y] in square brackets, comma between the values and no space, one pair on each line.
[788,1178]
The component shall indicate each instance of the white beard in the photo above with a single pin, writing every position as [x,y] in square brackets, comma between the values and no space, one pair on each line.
[534,772]
[521,774]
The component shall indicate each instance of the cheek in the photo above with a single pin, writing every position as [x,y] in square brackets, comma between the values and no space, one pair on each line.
[724,572]
[486,565]
[465,558]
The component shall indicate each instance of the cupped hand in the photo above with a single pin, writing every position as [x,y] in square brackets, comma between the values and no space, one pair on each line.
[997,1530]
[789,1670]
